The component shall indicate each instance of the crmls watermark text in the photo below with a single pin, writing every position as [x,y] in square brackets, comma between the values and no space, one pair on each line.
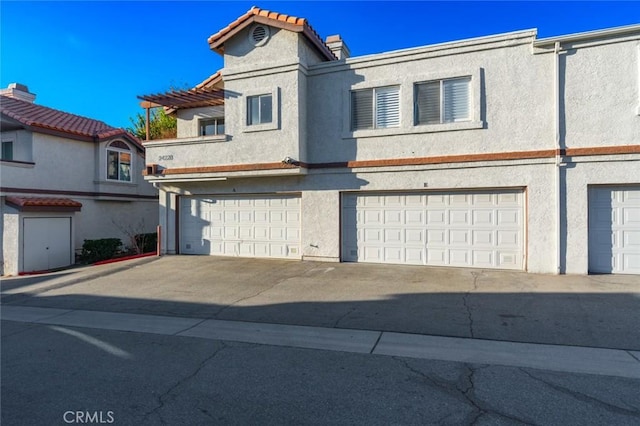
[88,417]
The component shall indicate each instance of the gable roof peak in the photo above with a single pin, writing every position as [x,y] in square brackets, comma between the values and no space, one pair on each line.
[274,19]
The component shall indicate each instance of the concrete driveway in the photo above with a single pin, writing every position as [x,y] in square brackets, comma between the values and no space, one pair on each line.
[597,311]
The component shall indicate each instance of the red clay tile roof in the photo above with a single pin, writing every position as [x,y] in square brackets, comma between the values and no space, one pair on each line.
[275,19]
[77,127]
[43,204]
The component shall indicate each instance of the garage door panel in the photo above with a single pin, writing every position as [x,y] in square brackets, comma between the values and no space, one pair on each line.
[631,263]
[508,217]
[483,217]
[509,199]
[373,236]
[459,217]
[415,237]
[459,199]
[459,237]
[509,239]
[393,254]
[614,230]
[436,237]
[483,200]
[393,217]
[46,243]
[631,239]
[250,226]
[415,256]
[456,229]
[483,238]
[631,216]
[459,257]
[414,218]
[508,260]
[414,200]
[437,257]
[393,236]
[372,254]
[631,197]
[436,217]
[484,258]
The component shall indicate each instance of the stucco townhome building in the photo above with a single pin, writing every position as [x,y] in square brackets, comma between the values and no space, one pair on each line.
[506,151]
[64,179]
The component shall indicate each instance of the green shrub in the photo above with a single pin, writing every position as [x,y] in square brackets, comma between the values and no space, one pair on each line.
[97,250]
[146,243]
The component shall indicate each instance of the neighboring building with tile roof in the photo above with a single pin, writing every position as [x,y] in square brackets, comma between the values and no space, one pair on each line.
[65,178]
[505,151]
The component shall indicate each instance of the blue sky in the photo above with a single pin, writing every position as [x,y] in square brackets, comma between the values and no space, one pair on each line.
[93,58]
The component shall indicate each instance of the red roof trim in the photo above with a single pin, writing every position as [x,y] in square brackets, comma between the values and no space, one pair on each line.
[43,204]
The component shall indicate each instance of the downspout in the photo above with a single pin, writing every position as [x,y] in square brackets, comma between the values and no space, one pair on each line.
[558,159]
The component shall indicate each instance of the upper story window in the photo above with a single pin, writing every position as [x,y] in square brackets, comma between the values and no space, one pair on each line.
[443,101]
[259,109]
[119,162]
[7,150]
[376,108]
[212,126]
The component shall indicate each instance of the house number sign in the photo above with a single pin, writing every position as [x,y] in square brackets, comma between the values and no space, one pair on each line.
[165,157]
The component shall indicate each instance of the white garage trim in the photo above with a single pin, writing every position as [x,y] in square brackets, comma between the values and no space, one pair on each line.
[241,225]
[614,229]
[483,229]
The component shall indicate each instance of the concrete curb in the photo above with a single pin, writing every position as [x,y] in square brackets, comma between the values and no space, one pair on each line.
[568,359]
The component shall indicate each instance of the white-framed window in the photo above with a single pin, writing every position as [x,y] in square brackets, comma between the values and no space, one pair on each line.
[375,108]
[7,150]
[119,162]
[443,101]
[212,126]
[259,109]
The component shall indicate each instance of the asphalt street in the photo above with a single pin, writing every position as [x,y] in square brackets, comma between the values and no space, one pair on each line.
[51,372]
[182,340]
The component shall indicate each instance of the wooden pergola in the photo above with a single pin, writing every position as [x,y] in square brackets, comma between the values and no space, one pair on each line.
[177,99]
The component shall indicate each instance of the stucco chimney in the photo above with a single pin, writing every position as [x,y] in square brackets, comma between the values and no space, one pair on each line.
[338,47]
[18,91]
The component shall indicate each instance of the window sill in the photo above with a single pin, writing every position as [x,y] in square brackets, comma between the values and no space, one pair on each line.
[115,183]
[16,163]
[419,129]
[260,127]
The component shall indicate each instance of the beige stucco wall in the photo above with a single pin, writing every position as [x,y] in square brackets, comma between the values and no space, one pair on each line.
[64,168]
[601,94]
[514,109]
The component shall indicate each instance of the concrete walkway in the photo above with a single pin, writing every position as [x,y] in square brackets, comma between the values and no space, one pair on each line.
[608,362]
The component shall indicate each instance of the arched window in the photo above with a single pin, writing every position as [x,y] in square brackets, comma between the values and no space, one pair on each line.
[119,162]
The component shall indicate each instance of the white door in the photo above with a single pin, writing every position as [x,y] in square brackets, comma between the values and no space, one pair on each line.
[482,229]
[246,226]
[46,243]
[614,230]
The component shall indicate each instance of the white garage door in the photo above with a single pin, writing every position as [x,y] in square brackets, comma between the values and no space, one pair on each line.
[246,226]
[614,230]
[475,229]
[46,243]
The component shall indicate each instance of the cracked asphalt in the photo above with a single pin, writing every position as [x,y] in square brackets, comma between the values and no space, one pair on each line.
[156,379]
[146,379]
